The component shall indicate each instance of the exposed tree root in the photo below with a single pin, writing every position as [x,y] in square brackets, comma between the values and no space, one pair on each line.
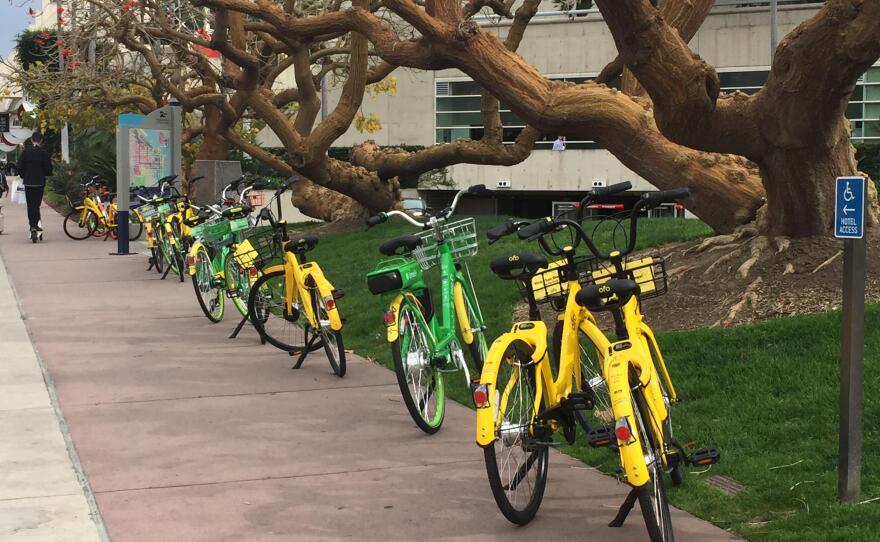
[828,261]
[749,297]
[757,248]
[722,260]
[789,269]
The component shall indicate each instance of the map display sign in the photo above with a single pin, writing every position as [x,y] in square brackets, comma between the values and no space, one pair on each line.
[149,155]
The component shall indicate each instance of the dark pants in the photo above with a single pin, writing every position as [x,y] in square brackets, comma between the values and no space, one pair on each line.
[34,196]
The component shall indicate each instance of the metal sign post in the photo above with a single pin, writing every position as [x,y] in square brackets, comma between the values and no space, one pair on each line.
[849,225]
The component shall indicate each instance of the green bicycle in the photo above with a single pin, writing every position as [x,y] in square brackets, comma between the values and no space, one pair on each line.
[425,343]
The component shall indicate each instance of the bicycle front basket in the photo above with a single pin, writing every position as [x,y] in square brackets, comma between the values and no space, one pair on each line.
[461,236]
[258,249]
[649,273]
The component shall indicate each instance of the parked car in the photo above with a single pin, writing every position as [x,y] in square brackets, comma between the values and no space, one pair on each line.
[414,206]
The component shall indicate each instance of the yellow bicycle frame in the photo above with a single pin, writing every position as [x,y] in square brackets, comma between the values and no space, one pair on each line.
[296,278]
[616,359]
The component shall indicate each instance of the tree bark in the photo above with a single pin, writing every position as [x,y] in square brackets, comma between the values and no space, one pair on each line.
[214,146]
[794,128]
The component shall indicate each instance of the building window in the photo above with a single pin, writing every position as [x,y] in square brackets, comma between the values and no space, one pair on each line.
[457,107]
[457,114]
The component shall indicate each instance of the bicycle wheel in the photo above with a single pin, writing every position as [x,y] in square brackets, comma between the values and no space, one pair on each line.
[135,227]
[332,339]
[420,381]
[518,459]
[591,376]
[158,259]
[652,495]
[97,225]
[477,348]
[238,284]
[75,226]
[208,291]
[267,310]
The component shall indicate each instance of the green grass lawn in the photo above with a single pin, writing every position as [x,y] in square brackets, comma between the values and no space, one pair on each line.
[766,395]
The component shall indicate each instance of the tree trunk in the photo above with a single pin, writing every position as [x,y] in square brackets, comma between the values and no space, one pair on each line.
[214,146]
[318,202]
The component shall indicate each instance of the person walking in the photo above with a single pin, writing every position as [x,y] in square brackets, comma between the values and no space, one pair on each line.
[34,165]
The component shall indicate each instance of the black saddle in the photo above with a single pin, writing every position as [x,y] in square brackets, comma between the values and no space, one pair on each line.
[400,245]
[237,212]
[302,244]
[517,266]
[609,295]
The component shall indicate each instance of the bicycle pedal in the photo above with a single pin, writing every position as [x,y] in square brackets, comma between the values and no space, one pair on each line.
[704,457]
[600,437]
[338,294]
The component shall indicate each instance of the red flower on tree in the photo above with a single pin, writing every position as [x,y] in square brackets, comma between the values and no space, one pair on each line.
[38,41]
[202,33]
[129,5]
[45,35]
[60,10]
[59,43]
[66,52]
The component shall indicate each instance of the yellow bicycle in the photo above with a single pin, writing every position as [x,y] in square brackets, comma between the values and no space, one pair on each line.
[292,305]
[619,392]
[96,215]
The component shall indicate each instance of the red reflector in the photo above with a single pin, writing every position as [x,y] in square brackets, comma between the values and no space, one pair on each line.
[253,272]
[389,318]
[190,261]
[330,302]
[621,430]
[481,396]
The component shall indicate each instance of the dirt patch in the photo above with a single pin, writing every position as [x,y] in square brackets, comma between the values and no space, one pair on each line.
[730,281]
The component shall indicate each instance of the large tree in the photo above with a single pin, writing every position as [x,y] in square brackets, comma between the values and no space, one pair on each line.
[688,132]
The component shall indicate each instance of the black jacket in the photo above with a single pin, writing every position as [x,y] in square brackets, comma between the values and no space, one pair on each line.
[34,166]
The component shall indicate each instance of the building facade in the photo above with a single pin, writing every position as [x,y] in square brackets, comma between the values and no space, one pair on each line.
[436,107]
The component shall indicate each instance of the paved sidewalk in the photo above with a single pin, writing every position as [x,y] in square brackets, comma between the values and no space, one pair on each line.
[41,497]
[187,435]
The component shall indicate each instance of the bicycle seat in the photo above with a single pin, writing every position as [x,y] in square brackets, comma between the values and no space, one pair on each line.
[517,266]
[237,212]
[408,242]
[302,244]
[598,297]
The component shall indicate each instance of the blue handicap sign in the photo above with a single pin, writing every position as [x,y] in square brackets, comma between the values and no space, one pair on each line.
[849,208]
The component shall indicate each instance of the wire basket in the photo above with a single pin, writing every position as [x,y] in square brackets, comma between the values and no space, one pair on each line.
[649,273]
[258,249]
[214,232]
[461,236]
[148,211]
[256,200]
[550,285]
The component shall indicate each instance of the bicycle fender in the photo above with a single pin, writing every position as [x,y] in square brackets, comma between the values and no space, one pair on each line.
[193,251]
[394,328]
[632,456]
[461,312]
[313,271]
[534,335]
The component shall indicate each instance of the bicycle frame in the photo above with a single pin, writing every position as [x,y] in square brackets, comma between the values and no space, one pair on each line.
[297,277]
[455,292]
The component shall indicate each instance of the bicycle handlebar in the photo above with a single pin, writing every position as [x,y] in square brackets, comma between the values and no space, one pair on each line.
[601,191]
[443,215]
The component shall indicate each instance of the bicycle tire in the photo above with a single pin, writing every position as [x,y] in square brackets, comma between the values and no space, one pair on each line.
[238,282]
[135,227]
[332,339]
[73,225]
[421,383]
[515,440]
[267,311]
[211,298]
[652,497]
[181,264]
[478,347]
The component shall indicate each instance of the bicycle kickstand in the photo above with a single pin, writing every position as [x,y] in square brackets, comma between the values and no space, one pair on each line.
[238,328]
[167,270]
[306,349]
[152,262]
[625,508]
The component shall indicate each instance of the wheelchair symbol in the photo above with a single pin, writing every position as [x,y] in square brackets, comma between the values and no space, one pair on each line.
[848,194]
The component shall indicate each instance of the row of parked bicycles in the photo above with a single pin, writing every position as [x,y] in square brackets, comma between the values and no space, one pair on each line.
[533,388]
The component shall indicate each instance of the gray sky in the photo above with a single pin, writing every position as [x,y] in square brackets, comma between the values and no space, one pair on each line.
[13,19]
